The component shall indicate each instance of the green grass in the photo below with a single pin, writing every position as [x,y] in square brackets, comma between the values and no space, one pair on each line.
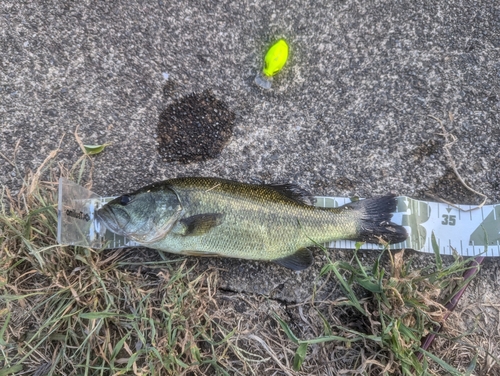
[399,307]
[81,311]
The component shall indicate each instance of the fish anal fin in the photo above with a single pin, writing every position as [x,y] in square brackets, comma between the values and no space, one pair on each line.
[299,260]
[294,192]
[200,224]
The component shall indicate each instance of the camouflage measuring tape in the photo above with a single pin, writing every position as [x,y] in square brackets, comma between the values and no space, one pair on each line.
[464,229]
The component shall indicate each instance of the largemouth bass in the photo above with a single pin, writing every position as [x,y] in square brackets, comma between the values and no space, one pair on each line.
[216,217]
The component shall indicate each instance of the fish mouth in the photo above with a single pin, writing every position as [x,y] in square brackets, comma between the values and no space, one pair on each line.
[112,221]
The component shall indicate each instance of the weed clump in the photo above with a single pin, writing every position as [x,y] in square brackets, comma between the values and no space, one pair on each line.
[79,311]
[389,315]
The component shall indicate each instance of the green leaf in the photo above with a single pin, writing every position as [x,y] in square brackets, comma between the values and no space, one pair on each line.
[286,329]
[370,337]
[299,357]
[3,342]
[10,298]
[336,339]
[471,367]
[82,259]
[376,266]
[369,285]
[325,269]
[435,248]
[326,325]
[442,363]
[275,58]
[11,370]
[94,149]
[347,289]
[133,359]
[119,346]
[181,363]
[407,332]
[195,352]
[98,315]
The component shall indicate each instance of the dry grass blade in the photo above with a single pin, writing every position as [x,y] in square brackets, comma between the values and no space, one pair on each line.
[79,311]
[391,320]
[450,140]
[270,352]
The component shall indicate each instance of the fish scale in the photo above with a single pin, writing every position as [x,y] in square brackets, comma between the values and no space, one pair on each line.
[251,228]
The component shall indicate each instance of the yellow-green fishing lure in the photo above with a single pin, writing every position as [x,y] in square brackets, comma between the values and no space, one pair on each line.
[274,61]
[275,58]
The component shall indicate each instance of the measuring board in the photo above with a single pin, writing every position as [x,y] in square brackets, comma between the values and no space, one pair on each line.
[464,229]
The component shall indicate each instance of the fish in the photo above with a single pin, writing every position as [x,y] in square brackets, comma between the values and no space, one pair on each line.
[203,216]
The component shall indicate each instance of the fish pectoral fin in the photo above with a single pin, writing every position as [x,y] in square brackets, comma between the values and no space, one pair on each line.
[300,260]
[200,224]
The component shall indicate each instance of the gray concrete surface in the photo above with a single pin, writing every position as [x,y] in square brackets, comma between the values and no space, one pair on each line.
[349,114]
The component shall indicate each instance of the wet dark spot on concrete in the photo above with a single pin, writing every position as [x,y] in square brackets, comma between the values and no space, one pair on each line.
[194,128]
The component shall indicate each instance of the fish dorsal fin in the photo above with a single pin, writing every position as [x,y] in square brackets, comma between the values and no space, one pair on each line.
[300,260]
[294,192]
[200,224]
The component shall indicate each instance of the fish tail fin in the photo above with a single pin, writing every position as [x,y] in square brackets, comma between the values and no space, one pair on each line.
[375,220]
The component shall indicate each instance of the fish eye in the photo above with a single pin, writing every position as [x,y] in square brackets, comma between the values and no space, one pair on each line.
[124,200]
